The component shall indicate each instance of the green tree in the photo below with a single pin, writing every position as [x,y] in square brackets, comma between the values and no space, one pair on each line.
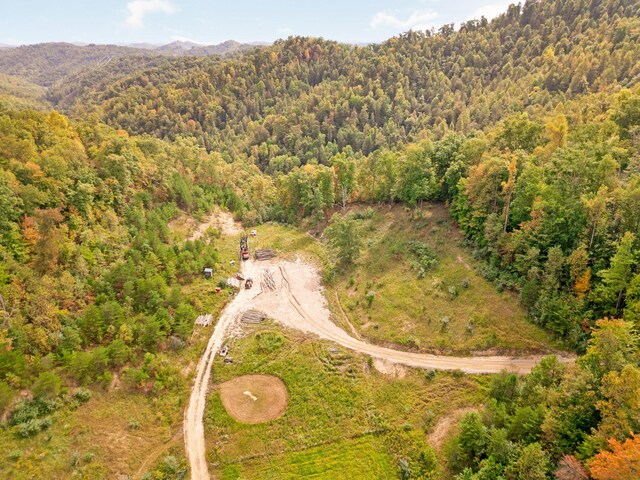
[416,178]
[345,238]
[617,277]
[344,167]
[532,464]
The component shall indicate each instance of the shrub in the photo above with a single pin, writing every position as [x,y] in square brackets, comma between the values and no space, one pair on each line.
[82,395]
[438,283]
[33,426]
[469,328]
[14,455]
[444,324]
[423,257]
[366,214]
[32,409]
[370,297]
[134,424]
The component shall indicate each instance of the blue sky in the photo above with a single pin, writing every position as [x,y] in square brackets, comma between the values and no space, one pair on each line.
[214,21]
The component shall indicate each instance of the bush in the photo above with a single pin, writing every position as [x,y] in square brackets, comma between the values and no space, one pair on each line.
[82,395]
[429,374]
[14,455]
[470,328]
[33,426]
[31,409]
[444,324]
[134,424]
[424,257]
[366,214]
[370,297]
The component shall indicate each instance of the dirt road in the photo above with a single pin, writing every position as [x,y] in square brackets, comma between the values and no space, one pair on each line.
[193,425]
[298,301]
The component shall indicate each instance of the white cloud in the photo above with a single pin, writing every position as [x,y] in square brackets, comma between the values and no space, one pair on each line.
[489,11]
[421,19]
[138,9]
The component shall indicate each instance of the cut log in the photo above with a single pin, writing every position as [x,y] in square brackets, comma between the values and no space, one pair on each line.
[252,316]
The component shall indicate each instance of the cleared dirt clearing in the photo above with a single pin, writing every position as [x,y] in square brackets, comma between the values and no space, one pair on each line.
[254,398]
[299,302]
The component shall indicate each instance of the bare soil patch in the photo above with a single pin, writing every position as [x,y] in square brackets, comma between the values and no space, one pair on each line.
[442,430]
[254,398]
[220,220]
[394,370]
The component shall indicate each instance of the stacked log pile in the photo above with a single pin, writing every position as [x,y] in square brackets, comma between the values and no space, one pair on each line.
[264,254]
[252,316]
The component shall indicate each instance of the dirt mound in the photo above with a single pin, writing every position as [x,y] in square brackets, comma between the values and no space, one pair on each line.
[254,398]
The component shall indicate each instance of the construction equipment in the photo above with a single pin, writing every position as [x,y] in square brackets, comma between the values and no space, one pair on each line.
[244,248]
[248,283]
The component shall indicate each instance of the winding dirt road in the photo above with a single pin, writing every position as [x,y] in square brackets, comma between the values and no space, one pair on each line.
[298,301]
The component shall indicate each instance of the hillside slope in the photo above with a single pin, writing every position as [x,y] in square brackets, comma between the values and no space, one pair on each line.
[306,98]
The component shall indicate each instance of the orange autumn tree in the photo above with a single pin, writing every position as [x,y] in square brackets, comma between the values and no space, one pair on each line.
[623,461]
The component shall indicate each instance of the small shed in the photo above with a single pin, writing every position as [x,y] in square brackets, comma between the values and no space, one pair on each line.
[208,272]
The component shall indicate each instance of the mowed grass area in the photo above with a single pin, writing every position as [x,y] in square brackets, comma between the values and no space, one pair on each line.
[344,419]
[359,458]
[451,310]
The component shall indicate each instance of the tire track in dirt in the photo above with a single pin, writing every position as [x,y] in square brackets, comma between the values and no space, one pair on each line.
[299,303]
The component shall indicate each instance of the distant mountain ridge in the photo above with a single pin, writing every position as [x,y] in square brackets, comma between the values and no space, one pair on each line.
[180,47]
[46,63]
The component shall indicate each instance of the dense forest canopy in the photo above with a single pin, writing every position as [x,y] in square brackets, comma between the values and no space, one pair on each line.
[307,98]
[527,127]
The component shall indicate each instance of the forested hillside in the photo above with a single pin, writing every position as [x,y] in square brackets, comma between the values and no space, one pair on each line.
[522,126]
[304,99]
[46,63]
[527,128]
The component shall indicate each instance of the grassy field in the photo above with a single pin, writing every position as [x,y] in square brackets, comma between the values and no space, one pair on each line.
[451,309]
[358,458]
[108,435]
[344,418]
